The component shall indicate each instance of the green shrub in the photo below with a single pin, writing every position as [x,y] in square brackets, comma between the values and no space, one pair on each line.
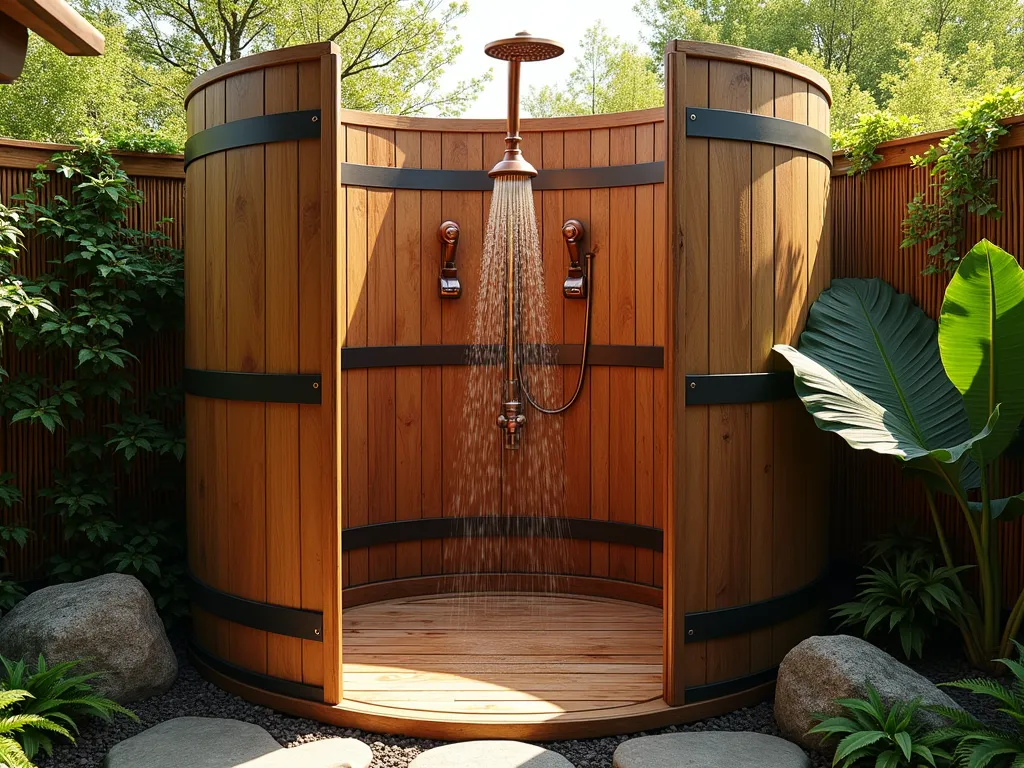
[58,697]
[985,746]
[907,593]
[873,734]
[110,292]
[144,141]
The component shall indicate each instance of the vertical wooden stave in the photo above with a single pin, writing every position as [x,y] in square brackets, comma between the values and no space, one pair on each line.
[409,294]
[644,499]
[281,221]
[432,434]
[381,310]
[762,327]
[622,380]
[218,529]
[576,431]
[693,514]
[314,420]
[246,351]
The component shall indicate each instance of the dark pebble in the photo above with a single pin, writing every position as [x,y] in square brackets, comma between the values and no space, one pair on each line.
[191,695]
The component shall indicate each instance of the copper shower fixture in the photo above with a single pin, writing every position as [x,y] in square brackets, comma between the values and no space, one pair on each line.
[448,235]
[514,50]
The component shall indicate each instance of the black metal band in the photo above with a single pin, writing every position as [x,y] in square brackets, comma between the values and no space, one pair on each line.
[301,388]
[706,691]
[459,354]
[726,388]
[279,619]
[266,129]
[599,177]
[255,679]
[760,129]
[739,619]
[505,526]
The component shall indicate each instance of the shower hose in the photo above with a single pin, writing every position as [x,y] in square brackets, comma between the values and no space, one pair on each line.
[583,361]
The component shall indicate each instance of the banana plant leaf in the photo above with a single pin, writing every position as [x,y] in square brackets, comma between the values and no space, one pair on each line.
[868,369]
[981,343]
[1003,510]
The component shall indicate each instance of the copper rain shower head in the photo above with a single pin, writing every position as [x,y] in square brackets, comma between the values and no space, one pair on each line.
[522,47]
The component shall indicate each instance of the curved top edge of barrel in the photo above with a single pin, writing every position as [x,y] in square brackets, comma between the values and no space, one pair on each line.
[295,53]
[723,52]
[499,125]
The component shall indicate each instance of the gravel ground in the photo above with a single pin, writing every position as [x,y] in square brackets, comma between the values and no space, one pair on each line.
[191,695]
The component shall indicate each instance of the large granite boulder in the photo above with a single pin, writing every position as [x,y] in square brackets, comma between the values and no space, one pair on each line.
[709,749]
[110,622]
[822,669]
[210,742]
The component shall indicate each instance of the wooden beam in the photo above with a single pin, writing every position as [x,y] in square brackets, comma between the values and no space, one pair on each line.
[13,46]
[58,23]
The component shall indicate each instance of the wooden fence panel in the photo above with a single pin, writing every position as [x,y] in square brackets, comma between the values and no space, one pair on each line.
[30,452]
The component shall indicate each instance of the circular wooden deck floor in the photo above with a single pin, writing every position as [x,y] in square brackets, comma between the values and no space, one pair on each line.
[493,659]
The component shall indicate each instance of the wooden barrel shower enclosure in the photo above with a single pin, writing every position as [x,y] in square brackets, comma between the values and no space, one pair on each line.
[330,318]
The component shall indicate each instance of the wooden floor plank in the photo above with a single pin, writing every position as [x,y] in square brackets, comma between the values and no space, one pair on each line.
[508,654]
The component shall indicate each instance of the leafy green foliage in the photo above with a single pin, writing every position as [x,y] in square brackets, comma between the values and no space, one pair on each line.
[59,97]
[919,58]
[608,77]
[14,726]
[110,289]
[59,699]
[906,593]
[885,737]
[980,745]
[867,133]
[962,184]
[872,369]
[144,141]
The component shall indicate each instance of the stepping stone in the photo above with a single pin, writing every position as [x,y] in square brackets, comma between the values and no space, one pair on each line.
[198,742]
[709,749]
[209,742]
[326,753]
[492,754]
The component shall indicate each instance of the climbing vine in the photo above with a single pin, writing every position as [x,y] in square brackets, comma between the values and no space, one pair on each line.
[962,183]
[109,292]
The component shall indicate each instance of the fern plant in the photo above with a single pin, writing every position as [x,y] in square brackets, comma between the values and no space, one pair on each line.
[885,737]
[908,595]
[13,728]
[58,698]
[980,745]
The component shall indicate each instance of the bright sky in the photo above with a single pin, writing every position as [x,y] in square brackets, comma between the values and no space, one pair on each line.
[561,20]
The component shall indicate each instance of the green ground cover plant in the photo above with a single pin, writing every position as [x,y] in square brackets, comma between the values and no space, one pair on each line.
[943,399]
[886,737]
[56,703]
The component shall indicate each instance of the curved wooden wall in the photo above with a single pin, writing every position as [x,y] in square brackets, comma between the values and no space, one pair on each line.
[403,424]
[260,294]
[301,265]
[748,233]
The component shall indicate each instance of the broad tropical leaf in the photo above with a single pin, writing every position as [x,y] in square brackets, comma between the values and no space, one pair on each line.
[981,342]
[868,369]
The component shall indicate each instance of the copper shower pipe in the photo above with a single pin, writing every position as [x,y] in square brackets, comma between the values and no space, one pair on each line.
[514,50]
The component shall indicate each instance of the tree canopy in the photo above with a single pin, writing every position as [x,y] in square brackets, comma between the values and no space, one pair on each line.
[393,54]
[609,76]
[923,59]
